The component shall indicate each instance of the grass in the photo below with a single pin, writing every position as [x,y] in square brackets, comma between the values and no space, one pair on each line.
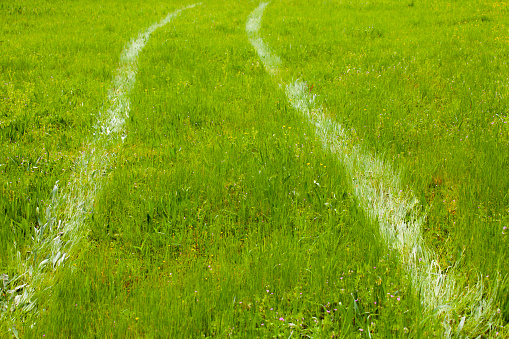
[423,86]
[221,214]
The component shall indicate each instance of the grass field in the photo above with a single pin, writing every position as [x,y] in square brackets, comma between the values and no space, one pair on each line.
[217,211]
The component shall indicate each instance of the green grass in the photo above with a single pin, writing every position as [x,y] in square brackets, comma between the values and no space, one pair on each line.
[221,213]
[426,87]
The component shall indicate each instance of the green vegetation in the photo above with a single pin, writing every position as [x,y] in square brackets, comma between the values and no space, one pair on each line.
[221,214]
[425,86]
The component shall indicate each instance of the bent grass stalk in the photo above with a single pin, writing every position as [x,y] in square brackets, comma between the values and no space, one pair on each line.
[55,239]
[378,188]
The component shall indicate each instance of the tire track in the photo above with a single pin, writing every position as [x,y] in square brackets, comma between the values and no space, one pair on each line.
[56,238]
[464,311]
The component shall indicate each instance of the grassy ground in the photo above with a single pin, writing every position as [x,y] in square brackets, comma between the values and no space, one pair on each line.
[221,214]
[424,85]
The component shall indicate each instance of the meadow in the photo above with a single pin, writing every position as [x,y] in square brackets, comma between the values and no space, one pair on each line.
[220,213]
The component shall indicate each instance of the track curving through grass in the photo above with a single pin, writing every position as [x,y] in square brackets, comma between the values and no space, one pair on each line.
[56,238]
[464,310]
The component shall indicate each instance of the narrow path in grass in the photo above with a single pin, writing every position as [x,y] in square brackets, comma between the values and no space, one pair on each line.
[57,236]
[378,188]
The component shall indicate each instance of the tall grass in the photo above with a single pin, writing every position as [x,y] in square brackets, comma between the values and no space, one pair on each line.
[466,309]
[222,215]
